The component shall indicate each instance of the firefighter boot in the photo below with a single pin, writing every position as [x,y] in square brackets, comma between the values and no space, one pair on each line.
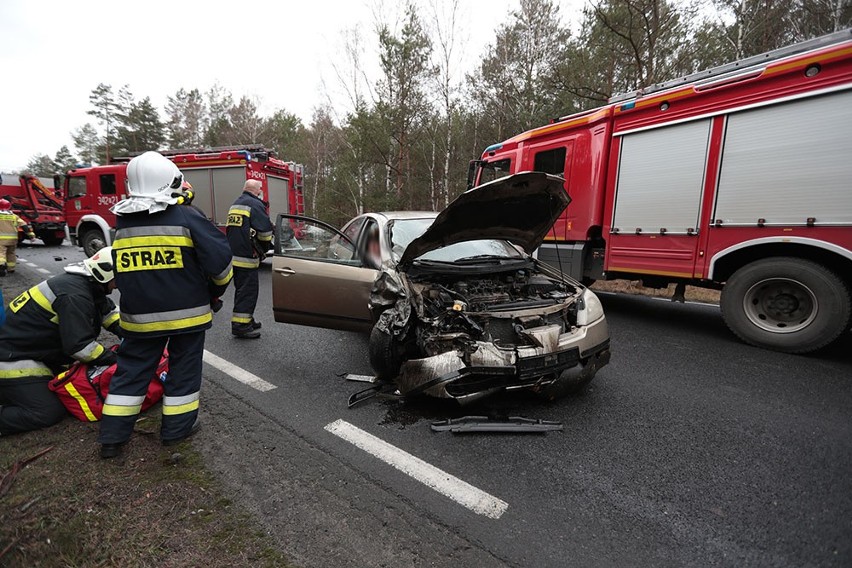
[196,426]
[2,270]
[244,331]
[255,324]
[109,451]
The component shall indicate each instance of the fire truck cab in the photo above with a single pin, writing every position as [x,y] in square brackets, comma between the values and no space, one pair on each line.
[217,176]
[738,178]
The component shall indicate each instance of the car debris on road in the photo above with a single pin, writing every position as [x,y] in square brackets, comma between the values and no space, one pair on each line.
[511,425]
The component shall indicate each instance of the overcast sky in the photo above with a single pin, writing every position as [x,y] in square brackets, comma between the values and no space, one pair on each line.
[53,53]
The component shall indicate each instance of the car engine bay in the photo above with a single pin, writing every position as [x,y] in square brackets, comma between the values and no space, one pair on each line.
[503,308]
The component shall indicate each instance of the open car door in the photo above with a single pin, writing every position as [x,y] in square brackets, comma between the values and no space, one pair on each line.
[318,278]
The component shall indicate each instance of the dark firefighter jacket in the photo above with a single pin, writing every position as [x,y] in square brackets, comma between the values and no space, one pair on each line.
[247,214]
[54,323]
[168,267]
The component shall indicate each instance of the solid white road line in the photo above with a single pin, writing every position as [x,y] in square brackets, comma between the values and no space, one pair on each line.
[448,485]
[237,373]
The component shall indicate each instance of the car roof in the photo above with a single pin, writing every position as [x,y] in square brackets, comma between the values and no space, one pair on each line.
[393,215]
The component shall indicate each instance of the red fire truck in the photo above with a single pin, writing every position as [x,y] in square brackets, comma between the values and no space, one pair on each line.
[217,176]
[738,178]
[36,204]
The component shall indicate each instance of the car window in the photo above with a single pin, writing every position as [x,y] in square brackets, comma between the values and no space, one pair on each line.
[304,238]
[403,231]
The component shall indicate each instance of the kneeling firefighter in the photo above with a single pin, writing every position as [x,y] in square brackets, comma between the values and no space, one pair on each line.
[48,327]
[171,265]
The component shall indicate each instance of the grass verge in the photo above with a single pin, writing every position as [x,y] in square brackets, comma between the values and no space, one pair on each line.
[155,506]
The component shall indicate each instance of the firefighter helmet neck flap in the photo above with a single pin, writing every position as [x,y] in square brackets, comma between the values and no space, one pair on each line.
[151,181]
[5,205]
[99,266]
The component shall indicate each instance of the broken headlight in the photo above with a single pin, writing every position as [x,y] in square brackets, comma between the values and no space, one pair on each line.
[589,308]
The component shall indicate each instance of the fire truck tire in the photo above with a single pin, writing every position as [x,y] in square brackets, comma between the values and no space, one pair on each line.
[51,240]
[786,304]
[385,355]
[92,241]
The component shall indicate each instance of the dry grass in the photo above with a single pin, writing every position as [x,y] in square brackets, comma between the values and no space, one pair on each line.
[693,294]
[154,507]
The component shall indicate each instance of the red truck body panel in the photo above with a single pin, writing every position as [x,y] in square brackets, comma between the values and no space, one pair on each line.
[36,204]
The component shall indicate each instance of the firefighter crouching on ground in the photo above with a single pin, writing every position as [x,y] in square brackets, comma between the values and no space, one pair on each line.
[249,234]
[9,225]
[170,264]
[47,327]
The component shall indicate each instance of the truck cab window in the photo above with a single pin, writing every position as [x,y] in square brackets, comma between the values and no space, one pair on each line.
[107,184]
[76,186]
[494,170]
[550,162]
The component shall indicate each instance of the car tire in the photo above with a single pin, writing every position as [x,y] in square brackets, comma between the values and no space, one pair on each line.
[385,355]
[567,384]
[786,304]
[92,242]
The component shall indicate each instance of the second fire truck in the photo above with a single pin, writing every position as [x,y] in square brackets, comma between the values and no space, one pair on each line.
[217,176]
[738,178]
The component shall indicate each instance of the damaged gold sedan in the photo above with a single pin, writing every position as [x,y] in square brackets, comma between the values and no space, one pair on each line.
[455,305]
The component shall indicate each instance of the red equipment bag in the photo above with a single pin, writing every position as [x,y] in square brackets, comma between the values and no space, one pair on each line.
[83,389]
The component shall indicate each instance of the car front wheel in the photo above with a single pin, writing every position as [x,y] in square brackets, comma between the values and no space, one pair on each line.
[385,354]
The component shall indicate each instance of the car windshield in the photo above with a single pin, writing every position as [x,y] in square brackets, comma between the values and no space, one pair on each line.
[403,231]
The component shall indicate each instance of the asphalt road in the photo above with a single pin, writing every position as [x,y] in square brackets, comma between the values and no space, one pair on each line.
[690,448]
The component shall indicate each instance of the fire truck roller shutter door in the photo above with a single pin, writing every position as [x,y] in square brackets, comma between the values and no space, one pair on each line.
[278,195]
[660,178]
[227,186]
[202,187]
[787,162]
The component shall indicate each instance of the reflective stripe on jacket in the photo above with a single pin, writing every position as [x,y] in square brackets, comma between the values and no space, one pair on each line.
[168,267]
[55,322]
[248,212]
[9,224]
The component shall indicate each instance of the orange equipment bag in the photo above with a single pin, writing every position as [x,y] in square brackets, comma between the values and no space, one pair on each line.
[83,388]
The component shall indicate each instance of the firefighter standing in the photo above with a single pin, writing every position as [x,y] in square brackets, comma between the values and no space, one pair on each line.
[249,234]
[9,226]
[171,264]
[47,327]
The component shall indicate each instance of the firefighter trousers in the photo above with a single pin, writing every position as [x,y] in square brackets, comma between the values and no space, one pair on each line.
[27,404]
[138,358]
[8,258]
[246,287]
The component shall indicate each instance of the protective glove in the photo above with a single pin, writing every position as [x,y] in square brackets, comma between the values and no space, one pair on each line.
[107,358]
[184,197]
[216,305]
[31,235]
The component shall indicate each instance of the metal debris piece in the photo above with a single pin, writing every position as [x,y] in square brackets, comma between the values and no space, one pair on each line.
[384,390]
[512,425]
[359,378]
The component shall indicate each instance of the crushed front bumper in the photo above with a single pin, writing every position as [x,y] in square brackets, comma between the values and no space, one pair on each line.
[574,357]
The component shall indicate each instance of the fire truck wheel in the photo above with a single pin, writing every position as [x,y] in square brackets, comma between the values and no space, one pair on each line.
[92,242]
[786,304]
[51,240]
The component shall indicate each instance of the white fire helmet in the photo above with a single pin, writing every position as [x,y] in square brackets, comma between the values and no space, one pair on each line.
[100,265]
[152,175]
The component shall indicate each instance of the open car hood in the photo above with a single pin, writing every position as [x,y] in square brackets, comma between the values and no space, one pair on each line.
[520,209]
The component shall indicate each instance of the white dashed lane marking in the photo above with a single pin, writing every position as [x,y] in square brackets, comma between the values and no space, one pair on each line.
[237,373]
[447,485]
[43,271]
